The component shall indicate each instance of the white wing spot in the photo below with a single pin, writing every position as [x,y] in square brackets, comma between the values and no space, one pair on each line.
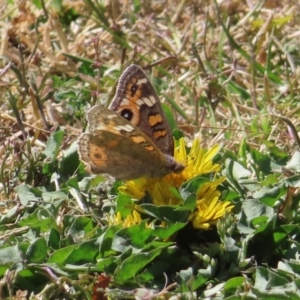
[140,102]
[141,81]
[152,99]
[127,128]
[125,101]
[149,101]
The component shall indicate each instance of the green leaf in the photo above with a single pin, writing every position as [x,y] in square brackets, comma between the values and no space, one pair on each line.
[165,213]
[80,228]
[202,277]
[270,179]
[88,183]
[10,255]
[252,212]
[40,219]
[185,277]
[61,255]
[276,153]
[262,161]
[233,285]
[132,265]
[53,239]
[234,173]
[54,144]
[267,279]
[168,231]
[82,253]
[294,163]
[243,150]
[54,196]
[11,214]
[124,204]
[70,161]
[37,251]
[57,5]
[135,237]
[188,192]
[192,186]
[28,196]
[177,134]
[170,116]
[51,151]
[37,3]
[269,196]
[236,170]
[105,240]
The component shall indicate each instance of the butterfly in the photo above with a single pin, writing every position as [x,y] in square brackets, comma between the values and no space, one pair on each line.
[132,138]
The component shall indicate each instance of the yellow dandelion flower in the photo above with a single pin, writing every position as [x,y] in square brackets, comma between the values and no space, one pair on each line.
[208,212]
[132,219]
[161,190]
[209,189]
[196,162]
[114,219]
[164,191]
[208,206]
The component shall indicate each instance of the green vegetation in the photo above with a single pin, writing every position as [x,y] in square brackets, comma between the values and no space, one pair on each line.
[228,228]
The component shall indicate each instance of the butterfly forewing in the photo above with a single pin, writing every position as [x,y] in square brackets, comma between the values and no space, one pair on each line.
[137,101]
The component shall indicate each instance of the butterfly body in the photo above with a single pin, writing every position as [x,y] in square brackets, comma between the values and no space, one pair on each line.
[131,139]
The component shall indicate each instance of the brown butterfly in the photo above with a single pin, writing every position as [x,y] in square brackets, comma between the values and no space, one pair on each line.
[131,139]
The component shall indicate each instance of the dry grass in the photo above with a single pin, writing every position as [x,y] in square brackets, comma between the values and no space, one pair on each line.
[220,84]
[229,70]
[196,63]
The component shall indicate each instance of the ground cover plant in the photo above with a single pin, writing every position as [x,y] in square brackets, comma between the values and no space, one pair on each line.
[227,227]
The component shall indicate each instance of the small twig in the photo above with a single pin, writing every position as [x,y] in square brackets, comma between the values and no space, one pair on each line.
[34,93]
[44,9]
[5,69]
[161,61]
[200,64]
[293,130]
[14,107]
[35,45]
